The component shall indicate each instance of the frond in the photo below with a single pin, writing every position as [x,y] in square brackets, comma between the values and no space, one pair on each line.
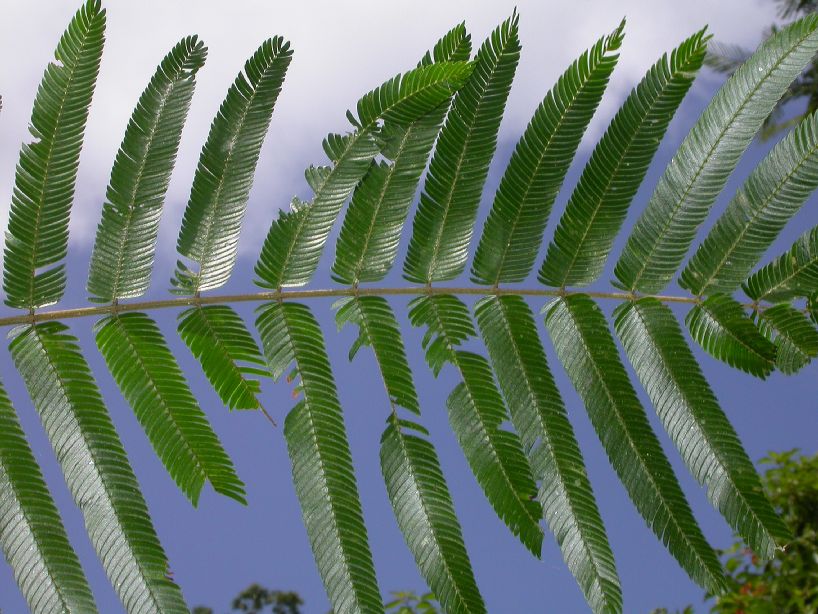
[369,238]
[122,260]
[407,97]
[598,206]
[32,535]
[790,275]
[722,329]
[587,351]
[95,467]
[230,357]
[476,414]
[401,100]
[221,186]
[771,196]
[37,235]
[150,380]
[443,224]
[426,516]
[322,466]
[414,479]
[794,336]
[698,427]
[708,155]
[539,163]
[293,247]
[539,416]
[378,329]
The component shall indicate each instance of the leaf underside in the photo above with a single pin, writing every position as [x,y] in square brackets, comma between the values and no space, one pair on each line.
[95,467]
[771,196]
[506,411]
[476,414]
[230,358]
[122,260]
[537,169]
[598,206]
[443,224]
[32,535]
[414,480]
[587,351]
[372,228]
[722,329]
[698,427]
[147,374]
[322,465]
[704,161]
[539,415]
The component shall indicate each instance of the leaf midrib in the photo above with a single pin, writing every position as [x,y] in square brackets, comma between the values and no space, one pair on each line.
[675,71]
[453,578]
[161,398]
[130,205]
[453,184]
[49,157]
[541,157]
[453,358]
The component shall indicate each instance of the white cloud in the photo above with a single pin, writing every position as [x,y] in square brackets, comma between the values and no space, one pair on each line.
[342,49]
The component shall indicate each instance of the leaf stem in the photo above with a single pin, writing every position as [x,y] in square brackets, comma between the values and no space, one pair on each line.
[287,295]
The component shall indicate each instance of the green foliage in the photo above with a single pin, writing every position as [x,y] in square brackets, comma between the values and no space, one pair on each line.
[31,532]
[445,217]
[720,326]
[788,582]
[210,228]
[773,193]
[537,168]
[538,414]
[37,234]
[426,516]
[590,358]
[791,275]
[594,214]
[795,338]
[410,603]
[230,358]
[698,427]
[322,465]
[151,381]
[476,413]
[506,411]
[368,243]
[701,166]
[122,259]
[95,467]
[295,242]
[255,599]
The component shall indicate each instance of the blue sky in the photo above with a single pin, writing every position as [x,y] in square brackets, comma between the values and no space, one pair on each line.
[341,51]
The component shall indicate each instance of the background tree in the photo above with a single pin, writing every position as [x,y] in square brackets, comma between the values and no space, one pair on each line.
[789,581]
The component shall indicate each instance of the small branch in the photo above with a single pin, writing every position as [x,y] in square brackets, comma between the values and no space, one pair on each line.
[289,295]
